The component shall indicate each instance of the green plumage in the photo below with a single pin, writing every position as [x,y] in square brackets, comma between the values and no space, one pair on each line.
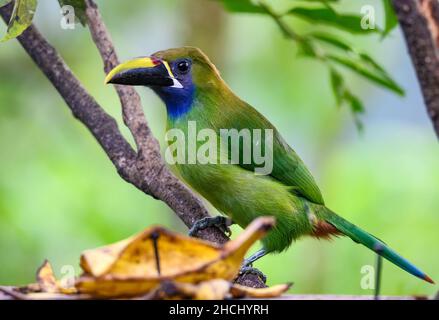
[236,190]
[289,193]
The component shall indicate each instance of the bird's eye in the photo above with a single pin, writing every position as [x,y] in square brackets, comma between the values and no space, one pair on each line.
[183,66]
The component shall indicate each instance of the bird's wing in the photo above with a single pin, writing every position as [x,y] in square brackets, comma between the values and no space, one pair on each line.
[287,167]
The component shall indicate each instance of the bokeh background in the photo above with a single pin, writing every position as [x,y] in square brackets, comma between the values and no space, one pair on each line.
[59,194]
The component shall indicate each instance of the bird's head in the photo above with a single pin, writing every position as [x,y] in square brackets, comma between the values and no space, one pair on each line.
[174,74]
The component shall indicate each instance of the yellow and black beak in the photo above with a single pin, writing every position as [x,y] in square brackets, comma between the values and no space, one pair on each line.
[145,71]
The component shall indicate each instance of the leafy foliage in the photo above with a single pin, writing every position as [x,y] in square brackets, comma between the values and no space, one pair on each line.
[24,11]
[327,15]
[329,47]
[134,267]
[21,17]
[314,45]
[246,6]
[391,18]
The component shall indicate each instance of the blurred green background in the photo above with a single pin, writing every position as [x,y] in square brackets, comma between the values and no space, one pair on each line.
[59,194]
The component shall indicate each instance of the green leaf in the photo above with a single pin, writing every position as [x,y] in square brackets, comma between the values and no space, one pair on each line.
[4,2]
[361,58]
[356,104]
[337,85]
[322,1]
[340,44]
[371,75]
[351,23]
[21,18]
[343,95]
[357,108]
[331,39]
[79,6]
[368,59]
[306,49]
[243,6]
[390,16]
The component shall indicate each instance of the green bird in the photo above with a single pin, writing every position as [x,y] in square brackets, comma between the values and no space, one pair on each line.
[194,93]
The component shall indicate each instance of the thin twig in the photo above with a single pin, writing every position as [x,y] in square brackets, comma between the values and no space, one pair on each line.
[133,115]
[285,28]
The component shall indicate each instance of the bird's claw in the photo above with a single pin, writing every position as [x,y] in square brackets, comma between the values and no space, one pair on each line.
[220,222]
[248,269]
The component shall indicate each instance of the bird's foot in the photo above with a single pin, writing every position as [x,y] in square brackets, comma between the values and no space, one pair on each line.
[220,222]
[248,269]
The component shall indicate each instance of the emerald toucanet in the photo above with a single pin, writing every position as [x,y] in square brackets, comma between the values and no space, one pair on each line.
[193,91]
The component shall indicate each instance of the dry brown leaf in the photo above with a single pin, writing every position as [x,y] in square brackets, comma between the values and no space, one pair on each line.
[46,287]
[129,267]
[46,278]
[238,291]
[158,264]
[216,289]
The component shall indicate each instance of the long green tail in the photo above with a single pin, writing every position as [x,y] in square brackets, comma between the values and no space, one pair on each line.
[373,243]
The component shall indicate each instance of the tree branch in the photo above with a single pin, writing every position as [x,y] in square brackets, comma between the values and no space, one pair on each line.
[145,169]
[133,115]
[419,20]
[147,174]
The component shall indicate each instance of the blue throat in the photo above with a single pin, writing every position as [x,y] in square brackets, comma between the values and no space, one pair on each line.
[178,101]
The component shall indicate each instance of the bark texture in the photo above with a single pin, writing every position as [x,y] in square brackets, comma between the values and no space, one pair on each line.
[419,21]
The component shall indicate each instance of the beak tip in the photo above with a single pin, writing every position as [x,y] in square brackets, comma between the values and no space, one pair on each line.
[107,80]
